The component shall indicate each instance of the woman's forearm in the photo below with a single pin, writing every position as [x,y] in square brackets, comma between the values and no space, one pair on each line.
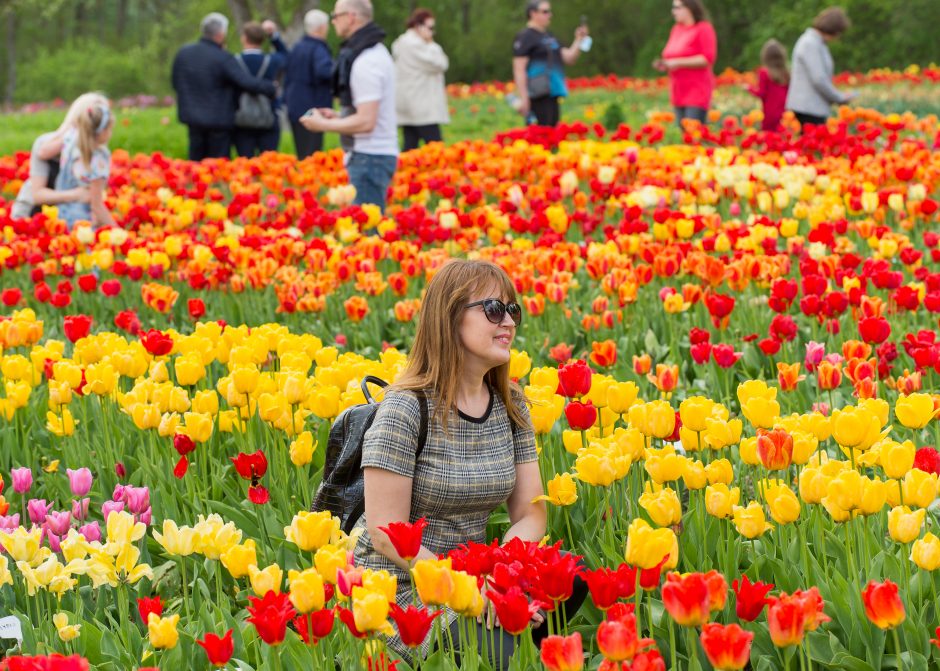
[688,62]
[529,528]
[385,548]
[47,196]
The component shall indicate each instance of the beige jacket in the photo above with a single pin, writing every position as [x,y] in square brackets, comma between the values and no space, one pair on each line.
[420,97]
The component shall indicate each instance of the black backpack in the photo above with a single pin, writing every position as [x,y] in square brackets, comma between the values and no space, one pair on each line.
[342,490]
[254,109]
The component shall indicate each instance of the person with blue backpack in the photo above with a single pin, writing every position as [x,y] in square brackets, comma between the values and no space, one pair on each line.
[452,439]
[258,131]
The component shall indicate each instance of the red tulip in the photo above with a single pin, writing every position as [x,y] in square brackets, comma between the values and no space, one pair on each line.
[127,320]
[76,327]
[607,586]
[556,575]
[883,604]
[250,466]
[270,615]
[413,623]
[219,650]
[649,660]
[405,537]
[813,605]
[111,288]
[147,605]
[157,343]
[617,639]
[181,467]
[11,297]
[183,444]
[717,590]
[574,379]
[936,641]
[874,330]
[562,653]
[751,598]
[314,626]
[259,495]
[720,308]
[728,648]
[650,577]
[580,416]
[196,308]
[346,617]
[786,620]
[513,609]
[725,356]
[87,283]
[687,599]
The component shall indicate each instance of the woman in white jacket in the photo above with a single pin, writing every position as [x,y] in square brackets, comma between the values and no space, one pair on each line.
[420,96]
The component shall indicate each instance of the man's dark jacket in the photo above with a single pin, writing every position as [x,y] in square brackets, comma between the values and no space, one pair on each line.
[309,76]
[208,80]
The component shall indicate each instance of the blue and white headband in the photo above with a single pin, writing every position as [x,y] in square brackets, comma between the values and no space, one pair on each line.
[105,118]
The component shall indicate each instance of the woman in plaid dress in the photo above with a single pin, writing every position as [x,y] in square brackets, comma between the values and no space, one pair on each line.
[480,448]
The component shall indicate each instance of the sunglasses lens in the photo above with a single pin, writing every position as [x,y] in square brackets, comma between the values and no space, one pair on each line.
[515,313]
[494,310]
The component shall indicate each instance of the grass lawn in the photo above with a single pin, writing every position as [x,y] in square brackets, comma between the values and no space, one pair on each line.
[479,117]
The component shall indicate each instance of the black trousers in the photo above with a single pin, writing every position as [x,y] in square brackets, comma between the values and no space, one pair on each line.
[414,135]
[209,143]
[252,141]
[809,119]
[546,111]
[305,142]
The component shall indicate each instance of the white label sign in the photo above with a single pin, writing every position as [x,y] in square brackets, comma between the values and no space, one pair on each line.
[10,627]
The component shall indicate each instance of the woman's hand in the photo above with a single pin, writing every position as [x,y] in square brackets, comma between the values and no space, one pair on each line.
[660,65]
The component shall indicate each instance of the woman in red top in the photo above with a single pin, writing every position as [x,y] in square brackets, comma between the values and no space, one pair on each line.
[773,81]
[688,58]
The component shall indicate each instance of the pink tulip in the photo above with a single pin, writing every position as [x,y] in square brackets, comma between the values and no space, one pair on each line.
[9,522]
[38,509]
[55,542]
[91,531]
[815,351]
[147,516]
[80,508]
[137,499]
[79,481]
[58,522]
[22,479]
[109,507]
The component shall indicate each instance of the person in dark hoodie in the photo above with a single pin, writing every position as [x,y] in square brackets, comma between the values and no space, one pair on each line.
[207,80]
[364,83]
[308,83]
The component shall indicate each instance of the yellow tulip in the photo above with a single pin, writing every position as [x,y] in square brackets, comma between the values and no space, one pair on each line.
[846,490]
[694,410]
[206,402]
[595,468]
[813,485]
[66,631]
[214,537]
[755,389]
[896,458]
[100,379]
[266,580]
[382,582]
[722,433]
[328,560]
[919,488]
[22,545]
[850,426]
[750,521]
[926,552]
[836,512]
[647,546]
[370,610]
[301,449]
[783,503]
[621,396]
[562,491]
[804,446]
[664,465]
[904,525]
[520,363]
[748,451]
[62,424]
[719,470]
[162,631]
[245,378]
[661,419]
[179,542]
[761,412]
[720,500]
[433,580]
[310,531]
[544,377]
[306,590]
[663,507]
[694,475]
[324,402]
[915,410]
[189,370]
[238,558]
[874,495]
[466,598]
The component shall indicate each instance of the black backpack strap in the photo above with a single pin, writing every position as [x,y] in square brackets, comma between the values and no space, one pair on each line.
[423,426]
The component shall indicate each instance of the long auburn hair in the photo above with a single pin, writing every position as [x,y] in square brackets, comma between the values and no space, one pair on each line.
[437,355]
[773,56]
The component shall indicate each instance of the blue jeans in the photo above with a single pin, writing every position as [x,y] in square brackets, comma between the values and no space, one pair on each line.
[689,112]
[371,174]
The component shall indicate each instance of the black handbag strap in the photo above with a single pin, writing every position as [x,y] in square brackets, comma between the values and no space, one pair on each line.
[422,403]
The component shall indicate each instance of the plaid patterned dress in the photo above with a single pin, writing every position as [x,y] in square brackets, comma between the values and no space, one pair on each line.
[458,480]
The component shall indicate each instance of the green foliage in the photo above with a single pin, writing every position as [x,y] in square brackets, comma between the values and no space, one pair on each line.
[613,116]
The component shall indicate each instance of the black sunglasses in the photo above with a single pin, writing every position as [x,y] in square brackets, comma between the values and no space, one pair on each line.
[495,310]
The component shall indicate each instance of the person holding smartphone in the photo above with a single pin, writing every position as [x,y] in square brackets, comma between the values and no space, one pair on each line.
[538,65]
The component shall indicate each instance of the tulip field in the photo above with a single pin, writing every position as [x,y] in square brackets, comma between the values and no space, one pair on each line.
[730,347]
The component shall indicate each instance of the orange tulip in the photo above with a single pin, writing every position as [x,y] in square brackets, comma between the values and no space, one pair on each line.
[828,375]
[666,378]
[642,364]
[883,604]
[774,448]
[788,375]
[604,353]
[356,308]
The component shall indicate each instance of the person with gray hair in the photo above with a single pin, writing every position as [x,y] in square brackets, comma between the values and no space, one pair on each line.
[364,82]
[207,80]
[308,80]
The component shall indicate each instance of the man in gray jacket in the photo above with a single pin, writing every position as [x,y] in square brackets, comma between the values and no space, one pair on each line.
[812,93]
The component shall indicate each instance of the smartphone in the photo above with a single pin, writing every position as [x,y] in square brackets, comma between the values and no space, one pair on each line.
[309,112]
[586,42]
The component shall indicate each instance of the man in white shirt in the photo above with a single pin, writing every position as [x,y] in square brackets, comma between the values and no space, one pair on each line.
[364,82]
